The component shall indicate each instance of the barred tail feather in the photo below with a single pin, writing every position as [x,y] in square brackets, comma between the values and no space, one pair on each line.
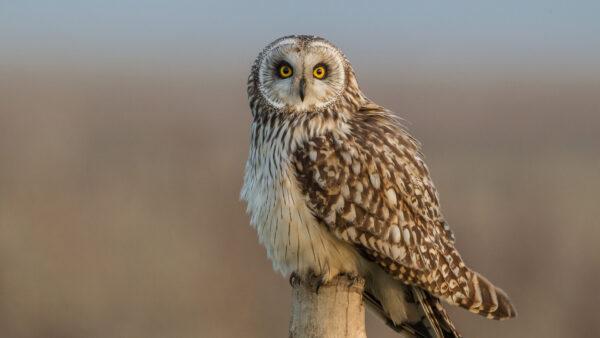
[433,323]
[376,308]
[435,317]
[488,300]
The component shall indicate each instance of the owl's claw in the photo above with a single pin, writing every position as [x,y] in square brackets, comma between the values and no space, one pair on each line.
[353,277]
[320,283]
[293,278]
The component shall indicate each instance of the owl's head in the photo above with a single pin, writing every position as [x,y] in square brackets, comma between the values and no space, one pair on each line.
[300,73]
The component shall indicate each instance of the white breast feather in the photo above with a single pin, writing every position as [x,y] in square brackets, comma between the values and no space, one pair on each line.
[294,239]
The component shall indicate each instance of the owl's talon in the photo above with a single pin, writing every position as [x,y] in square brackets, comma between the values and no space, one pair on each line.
[353,277]
[319,284]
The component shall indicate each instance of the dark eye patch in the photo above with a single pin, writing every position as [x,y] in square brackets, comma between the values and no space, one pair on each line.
[325,67]
[278,66]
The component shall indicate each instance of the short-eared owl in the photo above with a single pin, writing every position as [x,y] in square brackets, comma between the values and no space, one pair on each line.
[335,186]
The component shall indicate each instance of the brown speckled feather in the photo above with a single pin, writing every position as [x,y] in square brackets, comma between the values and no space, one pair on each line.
[372,188]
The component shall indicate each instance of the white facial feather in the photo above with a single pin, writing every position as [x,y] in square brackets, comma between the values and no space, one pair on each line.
[285,92]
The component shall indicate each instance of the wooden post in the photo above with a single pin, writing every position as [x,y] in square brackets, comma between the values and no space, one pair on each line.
[336,311]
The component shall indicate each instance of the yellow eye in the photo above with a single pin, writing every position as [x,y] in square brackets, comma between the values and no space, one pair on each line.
[319,72]
[285,71]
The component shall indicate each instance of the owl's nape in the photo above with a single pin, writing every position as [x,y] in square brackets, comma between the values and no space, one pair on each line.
[335,185]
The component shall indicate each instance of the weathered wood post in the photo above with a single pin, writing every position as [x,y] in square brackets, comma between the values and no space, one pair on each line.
[336,311]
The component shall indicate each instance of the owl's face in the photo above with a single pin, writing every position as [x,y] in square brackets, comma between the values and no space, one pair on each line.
[301,73]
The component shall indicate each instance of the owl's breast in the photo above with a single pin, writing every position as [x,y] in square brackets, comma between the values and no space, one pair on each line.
[294,239]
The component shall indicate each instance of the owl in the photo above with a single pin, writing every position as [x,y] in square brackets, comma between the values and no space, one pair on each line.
[336,185]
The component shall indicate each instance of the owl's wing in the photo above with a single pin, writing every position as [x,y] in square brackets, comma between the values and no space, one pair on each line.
[372,188]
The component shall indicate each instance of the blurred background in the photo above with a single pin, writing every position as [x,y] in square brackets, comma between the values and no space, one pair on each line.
[124,131]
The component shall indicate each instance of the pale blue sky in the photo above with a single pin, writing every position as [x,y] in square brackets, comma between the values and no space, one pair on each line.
[436,31]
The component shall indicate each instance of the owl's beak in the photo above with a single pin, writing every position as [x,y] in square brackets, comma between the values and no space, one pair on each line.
[302,87]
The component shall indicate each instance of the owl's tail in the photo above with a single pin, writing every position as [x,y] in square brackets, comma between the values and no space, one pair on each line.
[433,322]
[487,300]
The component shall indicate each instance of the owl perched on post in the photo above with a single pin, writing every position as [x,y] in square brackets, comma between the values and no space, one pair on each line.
[335,185]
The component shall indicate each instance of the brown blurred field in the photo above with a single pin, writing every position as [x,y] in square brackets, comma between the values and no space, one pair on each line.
[119,210]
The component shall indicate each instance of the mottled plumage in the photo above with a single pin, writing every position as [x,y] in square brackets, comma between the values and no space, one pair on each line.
[336,185]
